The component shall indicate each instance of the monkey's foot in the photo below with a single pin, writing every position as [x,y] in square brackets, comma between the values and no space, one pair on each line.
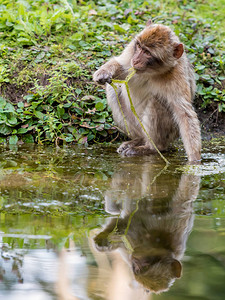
[128,145]
[129,149]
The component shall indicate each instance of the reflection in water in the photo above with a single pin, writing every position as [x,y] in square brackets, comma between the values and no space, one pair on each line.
[63,284]
[150,234]
[51,202]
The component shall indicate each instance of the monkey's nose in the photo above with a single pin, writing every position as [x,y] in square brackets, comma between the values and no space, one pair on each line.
[137,65]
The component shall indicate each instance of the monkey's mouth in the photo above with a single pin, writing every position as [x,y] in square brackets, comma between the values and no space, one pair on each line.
[138,67]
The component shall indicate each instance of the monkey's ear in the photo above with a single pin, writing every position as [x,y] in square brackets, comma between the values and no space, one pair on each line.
[178,50]
[149,22]
[176,268]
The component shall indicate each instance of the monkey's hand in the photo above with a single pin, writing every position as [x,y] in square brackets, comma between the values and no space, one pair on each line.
[102,76]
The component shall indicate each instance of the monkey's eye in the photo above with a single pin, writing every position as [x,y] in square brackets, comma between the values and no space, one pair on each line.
[138,46]
[146,52]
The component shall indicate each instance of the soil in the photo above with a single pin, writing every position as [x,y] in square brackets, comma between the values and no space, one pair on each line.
[212,123]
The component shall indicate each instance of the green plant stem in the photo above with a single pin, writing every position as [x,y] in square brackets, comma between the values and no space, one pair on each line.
[129,76]
[118,100]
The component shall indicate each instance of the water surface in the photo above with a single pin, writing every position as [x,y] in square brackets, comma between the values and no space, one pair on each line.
[85,223]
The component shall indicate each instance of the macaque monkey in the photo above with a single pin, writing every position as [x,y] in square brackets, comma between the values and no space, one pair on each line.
[150,233]
[162,90]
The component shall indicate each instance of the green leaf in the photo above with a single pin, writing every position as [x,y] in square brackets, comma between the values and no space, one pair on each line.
[12,121]
[90,137]
[207,78]
[5,130]
[78,91]
[119,28]
[76,36]
[69,138]
[24,41]
[13,140]
[9,107]
[2,103]
[66,105]
[72,47]
[39,115]
[29,98]
[99,106]
[103,133]
[3,118]
[22,130]
[60,111]
[28,138]
[2,140]
[40,56]
[20,104]
[200,67]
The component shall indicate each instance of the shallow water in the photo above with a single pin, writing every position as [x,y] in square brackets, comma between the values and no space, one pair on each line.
[84,223]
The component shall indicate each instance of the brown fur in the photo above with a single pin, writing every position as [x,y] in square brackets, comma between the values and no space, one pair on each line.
[162,91]
[155,37]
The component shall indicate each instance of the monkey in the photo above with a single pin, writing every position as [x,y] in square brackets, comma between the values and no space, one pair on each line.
[162,91]
[151,224]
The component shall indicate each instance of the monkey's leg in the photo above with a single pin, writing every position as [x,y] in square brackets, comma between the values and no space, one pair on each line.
[188,123]
[159,124]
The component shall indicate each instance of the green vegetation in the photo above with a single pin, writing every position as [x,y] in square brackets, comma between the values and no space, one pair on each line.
[49,50]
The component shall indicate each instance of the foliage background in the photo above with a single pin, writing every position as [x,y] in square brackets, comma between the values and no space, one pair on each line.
[49,50]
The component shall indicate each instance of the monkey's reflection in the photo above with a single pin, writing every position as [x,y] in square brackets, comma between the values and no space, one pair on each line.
[155,219]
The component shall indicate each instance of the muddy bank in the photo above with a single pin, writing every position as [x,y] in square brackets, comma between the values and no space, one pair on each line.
[212,123]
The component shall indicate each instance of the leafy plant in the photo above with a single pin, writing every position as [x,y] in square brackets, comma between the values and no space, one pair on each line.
[49,51]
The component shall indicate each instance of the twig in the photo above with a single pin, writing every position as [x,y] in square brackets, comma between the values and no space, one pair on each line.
[113,140]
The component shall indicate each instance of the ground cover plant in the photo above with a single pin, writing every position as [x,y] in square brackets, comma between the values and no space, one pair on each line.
[49,50]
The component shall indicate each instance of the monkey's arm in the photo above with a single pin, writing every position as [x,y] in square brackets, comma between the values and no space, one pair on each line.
[189,127]
[186,193]
[116,67]
[111,69]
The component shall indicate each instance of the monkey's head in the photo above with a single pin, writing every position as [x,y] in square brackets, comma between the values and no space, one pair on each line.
[157,49]
[156,273]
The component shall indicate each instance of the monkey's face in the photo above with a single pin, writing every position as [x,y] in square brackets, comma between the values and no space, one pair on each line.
[156,273]
[144,59]
[156,50]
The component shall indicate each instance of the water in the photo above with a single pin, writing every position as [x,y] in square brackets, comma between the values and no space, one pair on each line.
[84,223]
